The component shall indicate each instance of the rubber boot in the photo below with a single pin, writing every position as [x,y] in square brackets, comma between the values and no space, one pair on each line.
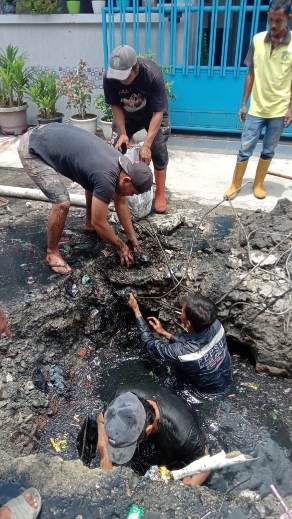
[160,204]
[262,169]
[237,179]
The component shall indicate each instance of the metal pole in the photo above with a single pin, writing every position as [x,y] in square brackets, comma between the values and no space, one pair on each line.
[279,175]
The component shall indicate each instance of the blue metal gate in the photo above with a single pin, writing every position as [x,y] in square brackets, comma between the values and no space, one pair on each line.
[203,44]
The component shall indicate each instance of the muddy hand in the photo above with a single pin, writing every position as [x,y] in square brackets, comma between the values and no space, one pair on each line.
[145,155]
[125,254]
[132,303]
[135,244]
[156,324]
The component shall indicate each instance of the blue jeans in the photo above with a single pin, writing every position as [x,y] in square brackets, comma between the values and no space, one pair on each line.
[251,133]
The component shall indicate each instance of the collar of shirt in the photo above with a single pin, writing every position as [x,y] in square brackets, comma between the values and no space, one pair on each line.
[285,41]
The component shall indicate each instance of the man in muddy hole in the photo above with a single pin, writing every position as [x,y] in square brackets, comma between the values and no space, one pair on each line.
[144,425]
[268,81]
[201,358]
[55,149]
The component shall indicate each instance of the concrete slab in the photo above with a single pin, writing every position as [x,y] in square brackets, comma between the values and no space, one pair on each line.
[201,175]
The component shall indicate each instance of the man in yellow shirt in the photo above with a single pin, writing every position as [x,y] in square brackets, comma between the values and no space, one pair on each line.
[269,83]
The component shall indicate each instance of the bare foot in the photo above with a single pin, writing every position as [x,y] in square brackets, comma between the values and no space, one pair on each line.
[58,264]
[88,226]
[5,512]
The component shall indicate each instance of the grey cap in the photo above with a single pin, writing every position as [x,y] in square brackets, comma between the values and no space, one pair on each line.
[121,61]
[139,172]
[124,421]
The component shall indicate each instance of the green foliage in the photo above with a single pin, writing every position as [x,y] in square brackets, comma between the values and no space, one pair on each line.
[38,6]
[205,49]
[43,92]
[166,72]
[100,104]
[77,89]
[14,77]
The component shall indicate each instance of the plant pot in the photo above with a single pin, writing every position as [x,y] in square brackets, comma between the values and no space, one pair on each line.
[107,129]
[88,124]
[13,121]
[123,3]
[9,9]
[47,120]
[73,6]
[97,6]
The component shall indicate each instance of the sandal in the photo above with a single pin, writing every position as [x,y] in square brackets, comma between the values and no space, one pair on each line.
[19,507]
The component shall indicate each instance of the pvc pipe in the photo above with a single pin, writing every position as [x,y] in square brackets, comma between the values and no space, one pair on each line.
[36,194]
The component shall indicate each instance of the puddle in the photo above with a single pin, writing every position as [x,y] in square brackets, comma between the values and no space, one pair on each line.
[215,229]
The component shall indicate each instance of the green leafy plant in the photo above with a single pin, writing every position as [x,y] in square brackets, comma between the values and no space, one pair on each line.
[100,104]
[38,6]
[14,77]
[166,72]
[77,89]
[43,92]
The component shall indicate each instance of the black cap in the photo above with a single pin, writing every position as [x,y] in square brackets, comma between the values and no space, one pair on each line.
[139,172]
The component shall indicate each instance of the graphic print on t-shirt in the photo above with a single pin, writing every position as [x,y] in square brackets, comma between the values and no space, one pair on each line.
[134,103]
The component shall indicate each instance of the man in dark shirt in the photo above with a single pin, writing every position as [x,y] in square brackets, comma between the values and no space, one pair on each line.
[201,357]
[140,413]
[134,87]
[57,149]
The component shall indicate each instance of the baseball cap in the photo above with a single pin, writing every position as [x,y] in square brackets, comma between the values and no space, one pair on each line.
[121,61]
[124,421]
[139,172]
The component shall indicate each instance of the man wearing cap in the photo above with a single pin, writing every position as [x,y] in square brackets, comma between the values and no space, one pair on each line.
[141,416]
[134,87]
[57,149]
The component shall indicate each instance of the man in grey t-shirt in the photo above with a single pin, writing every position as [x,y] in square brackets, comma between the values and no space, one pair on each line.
[57,149]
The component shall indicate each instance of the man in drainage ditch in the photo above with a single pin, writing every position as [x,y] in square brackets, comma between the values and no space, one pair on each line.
[144,425]
[55,149]
[200,357]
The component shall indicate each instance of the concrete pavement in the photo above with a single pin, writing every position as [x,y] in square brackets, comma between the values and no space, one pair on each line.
[201,169]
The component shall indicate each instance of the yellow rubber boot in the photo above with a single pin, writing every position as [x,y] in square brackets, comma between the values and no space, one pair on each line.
[160,204]
[262,169]
[237,179]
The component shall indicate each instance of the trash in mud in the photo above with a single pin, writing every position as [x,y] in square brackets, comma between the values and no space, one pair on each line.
[9,377]
[78,214]
[28,297]
[39,380]
[135,512]
[57,378]
[85,279]
[106,253]
[23,265]
[76,418]
[123,295]
[245,411]
[71,288]
[88,381]
[287,390]
[213,428]
[248,384]
[158,474]
[94,290]
[172,270]
[83,352]
[141,259]
[81,246]
[31,280]
[231,396]
[59,444]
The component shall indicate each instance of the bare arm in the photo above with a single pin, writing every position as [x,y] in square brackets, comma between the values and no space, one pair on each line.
[154,126]
[288,115]
[102,443]
[123,212]
[99,221]
[119,118]
[249,80]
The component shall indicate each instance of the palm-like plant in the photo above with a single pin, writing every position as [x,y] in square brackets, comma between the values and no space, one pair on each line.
[14,77]
[43,92]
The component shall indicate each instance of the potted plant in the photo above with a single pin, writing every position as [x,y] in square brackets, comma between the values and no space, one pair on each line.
[38,6]
[73,6]
[79,92]
[97,6]
[9,7]
[14,78]
[107,115]
[43,92]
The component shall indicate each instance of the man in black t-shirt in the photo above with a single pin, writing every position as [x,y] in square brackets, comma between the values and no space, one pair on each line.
[140,413]
[57,149]
[134,87]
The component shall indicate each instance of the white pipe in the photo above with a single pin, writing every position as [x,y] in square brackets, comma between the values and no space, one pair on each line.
[36,194]
[207,463]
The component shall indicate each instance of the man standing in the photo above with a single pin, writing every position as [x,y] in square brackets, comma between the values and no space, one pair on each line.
[141,413]
[269,82]
[58,149]
[134,87]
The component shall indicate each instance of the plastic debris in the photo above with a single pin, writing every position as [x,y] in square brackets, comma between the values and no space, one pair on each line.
[57,378]
[88,381]
[31,280]
[245,412]
[106,253]
[71,288]
[213,428]
[249,384]
[9,377]
[135,512]
[83,352]
[76,418]
[287,390]
[78,214]
[172,271]
[85,279]
[28,297]
[124,295]
[59,444]
[23,265]
[231,396]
